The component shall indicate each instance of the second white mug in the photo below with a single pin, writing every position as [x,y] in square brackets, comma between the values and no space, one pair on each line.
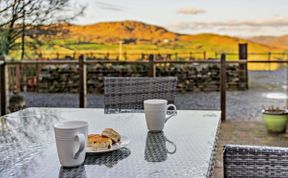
[156,113]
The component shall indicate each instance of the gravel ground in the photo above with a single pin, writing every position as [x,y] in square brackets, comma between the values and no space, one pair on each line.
[266,88]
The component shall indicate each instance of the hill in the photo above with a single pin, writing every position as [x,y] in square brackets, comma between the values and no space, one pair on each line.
[139,37]
[224,43]
[133,32]
[280,42]
[127,31]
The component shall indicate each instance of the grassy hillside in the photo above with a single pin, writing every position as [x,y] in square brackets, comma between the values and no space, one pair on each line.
[138,37]
[280,42]
[113,32]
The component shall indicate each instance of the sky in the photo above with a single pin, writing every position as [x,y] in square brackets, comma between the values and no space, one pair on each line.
[243,18]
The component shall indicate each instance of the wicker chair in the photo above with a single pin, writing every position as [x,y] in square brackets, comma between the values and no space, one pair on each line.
[126,94]
[255,161]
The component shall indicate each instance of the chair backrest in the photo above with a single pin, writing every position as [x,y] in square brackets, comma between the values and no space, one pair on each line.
[126,94]
[255,161]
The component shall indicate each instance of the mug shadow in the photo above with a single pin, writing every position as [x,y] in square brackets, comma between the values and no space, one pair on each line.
[109,159]
[72,172]
[156,149]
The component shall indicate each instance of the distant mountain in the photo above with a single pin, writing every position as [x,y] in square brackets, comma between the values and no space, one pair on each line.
[127,31]
[279,42]
[134,32]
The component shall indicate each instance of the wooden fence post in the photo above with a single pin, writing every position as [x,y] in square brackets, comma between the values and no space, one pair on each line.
[176,56]
[269,59]
[125,56]
[286,85]
[223,87]
[243,55]
[18,77]
[216,55]
[269,56]
[38,71]
[142,56]
[3,87]
[82,82]
[152,68]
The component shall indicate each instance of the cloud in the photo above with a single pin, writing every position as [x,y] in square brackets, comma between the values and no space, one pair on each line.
[276,22]
[107,6]
[191,11]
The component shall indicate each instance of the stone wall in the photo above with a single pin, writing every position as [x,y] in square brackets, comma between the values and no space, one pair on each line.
[191,77]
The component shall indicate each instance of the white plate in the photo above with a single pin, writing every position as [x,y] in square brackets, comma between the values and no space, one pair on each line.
[124,142]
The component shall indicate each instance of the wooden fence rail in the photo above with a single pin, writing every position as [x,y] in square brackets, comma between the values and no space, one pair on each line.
[152,73]
[160,55]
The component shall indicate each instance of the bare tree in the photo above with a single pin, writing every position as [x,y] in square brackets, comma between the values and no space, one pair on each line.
[33,18]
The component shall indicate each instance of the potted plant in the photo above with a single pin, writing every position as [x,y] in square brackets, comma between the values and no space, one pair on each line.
[275,119]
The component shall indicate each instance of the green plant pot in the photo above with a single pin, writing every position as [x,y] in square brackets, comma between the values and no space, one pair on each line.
[275,123]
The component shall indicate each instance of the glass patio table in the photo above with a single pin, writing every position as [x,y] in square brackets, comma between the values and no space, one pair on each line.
[185,148]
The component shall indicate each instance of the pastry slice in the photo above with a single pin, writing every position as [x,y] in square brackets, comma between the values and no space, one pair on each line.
[110,133]
[101,143]
[92,138]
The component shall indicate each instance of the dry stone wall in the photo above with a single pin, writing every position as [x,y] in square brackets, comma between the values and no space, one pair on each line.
[191,77]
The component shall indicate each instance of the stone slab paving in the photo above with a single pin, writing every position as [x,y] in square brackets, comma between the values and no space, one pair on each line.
[246,133]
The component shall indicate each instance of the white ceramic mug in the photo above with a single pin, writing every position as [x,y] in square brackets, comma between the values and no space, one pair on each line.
[156,113]
[71,140]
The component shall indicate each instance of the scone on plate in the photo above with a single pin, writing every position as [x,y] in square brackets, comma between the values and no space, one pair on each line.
[92,138]
[100,143]
[110,133]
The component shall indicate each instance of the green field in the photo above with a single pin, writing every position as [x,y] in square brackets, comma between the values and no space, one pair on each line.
[96,41]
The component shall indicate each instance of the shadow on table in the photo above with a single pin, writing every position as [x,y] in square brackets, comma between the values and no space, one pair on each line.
[155,148]
[109,159]
[72,172]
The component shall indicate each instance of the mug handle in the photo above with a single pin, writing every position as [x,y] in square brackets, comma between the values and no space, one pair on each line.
[172,143]
[81,138]
[174,112]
